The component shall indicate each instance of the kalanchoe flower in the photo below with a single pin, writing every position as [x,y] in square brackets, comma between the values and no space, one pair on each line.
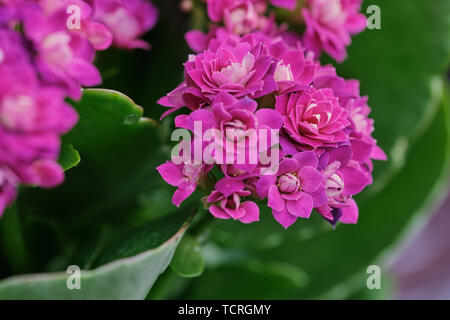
[226,201]
[313,119]
[183,176]
[293,72]
[330,24]
[241,16]
[242,67]
[295,191]
[343,179]
[63,57]
[234,120]
[127,20]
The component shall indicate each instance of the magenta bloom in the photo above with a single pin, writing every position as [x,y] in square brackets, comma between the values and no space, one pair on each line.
[127,20]
[242,69]
[234,120]
[183,176]
[241,16]
[293,72]
[296,189]
[313,119]
[343,179]
[330,24]
[63,57]
[226,201]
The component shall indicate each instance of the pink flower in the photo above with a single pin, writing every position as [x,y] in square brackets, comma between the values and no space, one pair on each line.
[236,121]
[343,179]
[330,24]
[293,72]
[238,68]
[240,17]
[226,199]
[313,119]
[127,20]
[183,176]
[62,58]
[295,191]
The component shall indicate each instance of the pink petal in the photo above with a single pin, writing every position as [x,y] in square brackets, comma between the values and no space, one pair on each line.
[275,201]
[170,173]
[284,218]
[350,214]
[310,179]
[302,207]
[252,212]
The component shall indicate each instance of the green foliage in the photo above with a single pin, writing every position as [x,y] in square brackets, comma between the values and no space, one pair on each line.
[135,265]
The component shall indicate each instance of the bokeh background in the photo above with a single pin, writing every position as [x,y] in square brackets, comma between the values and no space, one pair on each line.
[404,215]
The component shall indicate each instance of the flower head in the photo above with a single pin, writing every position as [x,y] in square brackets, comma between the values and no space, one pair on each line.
[330,24]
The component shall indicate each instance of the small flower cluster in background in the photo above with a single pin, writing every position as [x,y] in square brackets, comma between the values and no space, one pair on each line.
[251,73]
[44,59]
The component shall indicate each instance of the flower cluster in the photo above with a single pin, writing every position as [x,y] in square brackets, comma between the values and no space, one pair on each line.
[270,122]
[47,49]
[328,24]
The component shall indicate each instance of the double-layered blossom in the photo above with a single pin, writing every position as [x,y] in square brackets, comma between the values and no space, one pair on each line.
[242,67]
[330,25]
[295,190]
[312,119]
[127,20]
[226,201]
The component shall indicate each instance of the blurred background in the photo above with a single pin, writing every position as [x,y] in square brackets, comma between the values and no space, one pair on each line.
[404,215]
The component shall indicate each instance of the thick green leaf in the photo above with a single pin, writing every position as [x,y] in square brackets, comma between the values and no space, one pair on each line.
[188,260]
[138,261]
[69,157]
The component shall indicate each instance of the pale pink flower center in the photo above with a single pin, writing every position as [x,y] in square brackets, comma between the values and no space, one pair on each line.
[17,110]
[288,183]
[330,12]
[56,49]
[283,72]
[123,23]
[235,128]
[238,73]
[243,19]
[334,186]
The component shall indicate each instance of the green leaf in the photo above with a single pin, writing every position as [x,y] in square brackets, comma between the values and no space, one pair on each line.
[136,263]
[188,260]
[69,157]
